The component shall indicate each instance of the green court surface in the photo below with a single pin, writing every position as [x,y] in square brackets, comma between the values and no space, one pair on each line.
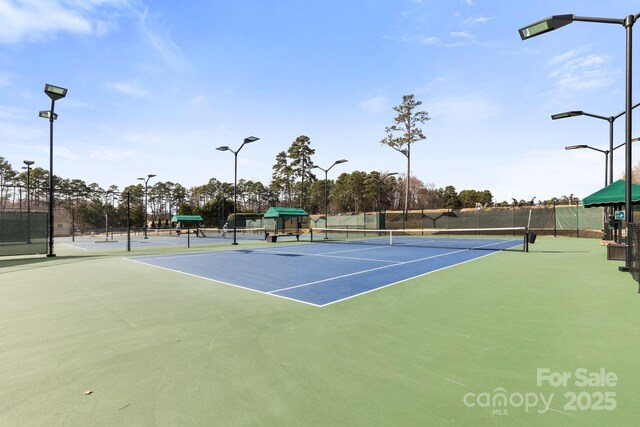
[96,340]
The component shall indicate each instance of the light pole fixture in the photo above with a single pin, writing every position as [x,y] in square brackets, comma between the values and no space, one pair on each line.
[380,181]
[45,114]
[605,152]
[326,206]
[54,93]
[557,21]
[247,140]
[146,189]
[29,163]
[610,119]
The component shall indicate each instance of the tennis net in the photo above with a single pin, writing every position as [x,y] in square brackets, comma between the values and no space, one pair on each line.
[241,233]
[508,238]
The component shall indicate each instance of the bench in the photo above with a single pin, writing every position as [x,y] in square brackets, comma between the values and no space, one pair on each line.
[615,251]
[274,237]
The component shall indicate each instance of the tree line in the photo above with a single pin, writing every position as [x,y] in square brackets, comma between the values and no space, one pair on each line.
[293,184]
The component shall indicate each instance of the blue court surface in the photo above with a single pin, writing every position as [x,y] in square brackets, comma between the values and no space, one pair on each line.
[120,241]
[320,274]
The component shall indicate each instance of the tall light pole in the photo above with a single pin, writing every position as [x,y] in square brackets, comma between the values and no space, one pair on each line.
[106,216]
[28,168]
[610,120]
[605,152]
[380,181]
[146,189]
[54,93]
[247,140]
[607,230]
[326,205]
[557,21]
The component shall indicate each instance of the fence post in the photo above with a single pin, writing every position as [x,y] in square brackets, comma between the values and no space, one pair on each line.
[128,221]
[577,222]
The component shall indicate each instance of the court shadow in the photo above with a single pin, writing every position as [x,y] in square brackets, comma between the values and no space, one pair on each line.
[42,261]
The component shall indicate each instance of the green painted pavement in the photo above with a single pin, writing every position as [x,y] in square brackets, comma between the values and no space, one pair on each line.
[160,348]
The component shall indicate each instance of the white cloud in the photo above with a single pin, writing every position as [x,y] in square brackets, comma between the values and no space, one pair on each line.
[65,153]
[375,104]
[461,34]
[34,21]
[429,41]
[10,113]
[161,41]
[574,72]
[478,20]
[128,88]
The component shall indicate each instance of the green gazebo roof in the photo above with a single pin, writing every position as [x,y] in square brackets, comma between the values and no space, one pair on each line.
[283,212]
[611,195]
[186,218]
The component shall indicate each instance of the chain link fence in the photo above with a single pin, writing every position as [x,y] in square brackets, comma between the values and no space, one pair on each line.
[562,220]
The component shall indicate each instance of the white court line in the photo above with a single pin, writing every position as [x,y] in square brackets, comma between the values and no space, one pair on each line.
[368,271]
[404,280]
[274,250]
[396,264]
[220,281]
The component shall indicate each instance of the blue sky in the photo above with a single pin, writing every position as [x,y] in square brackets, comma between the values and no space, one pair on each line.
[156,86]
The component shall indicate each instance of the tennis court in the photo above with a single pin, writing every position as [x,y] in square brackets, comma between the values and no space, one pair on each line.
[166,238]
[322,274]
[92,338]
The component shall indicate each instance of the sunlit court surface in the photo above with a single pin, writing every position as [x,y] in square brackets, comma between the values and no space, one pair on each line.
[312,334]
[321,274]
[300,214]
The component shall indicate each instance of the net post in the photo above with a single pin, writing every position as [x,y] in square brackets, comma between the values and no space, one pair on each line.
[128,221]
[526,239]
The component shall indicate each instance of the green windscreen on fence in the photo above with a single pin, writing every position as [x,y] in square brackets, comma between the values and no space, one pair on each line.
[550,218]
[22,233]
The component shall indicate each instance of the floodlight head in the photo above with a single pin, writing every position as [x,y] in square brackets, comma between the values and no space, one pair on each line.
[28,162]
[141,179]
[223,148]
[392,173]
[545,25]
[341,161]
[575,147]
[250,139]
[46,114]
[55,92]
[150,175]
[567,114]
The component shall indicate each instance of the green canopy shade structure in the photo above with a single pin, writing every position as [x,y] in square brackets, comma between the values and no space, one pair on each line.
[285,212]
[276,220]
[186,218]
[612,195]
